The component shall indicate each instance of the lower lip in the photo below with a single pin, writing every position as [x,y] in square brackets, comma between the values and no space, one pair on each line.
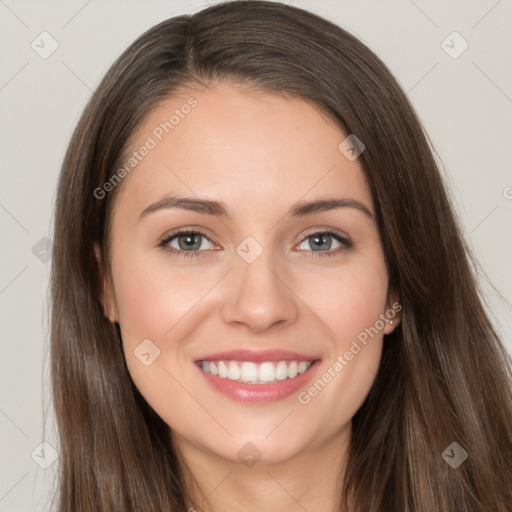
[259,393]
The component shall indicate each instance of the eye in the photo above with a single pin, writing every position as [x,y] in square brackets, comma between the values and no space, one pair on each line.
[187,244]
[320,240]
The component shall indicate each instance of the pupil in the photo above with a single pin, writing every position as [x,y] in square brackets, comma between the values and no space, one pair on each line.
[189,241]
[325,240]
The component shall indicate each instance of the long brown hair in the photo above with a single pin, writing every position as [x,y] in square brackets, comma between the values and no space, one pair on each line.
[444,377]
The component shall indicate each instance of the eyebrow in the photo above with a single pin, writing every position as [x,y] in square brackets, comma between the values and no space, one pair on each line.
[210,207]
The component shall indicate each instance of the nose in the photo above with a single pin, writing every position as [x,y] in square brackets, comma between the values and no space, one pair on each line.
[259,296]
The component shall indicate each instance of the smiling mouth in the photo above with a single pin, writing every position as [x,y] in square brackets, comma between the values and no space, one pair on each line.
[249,372]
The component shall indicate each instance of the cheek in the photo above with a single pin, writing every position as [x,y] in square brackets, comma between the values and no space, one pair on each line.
[158,306]
[349,299]
[153,297]
[350,302]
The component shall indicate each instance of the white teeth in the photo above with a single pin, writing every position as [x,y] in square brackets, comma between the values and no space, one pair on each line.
[302,367]
[234,371]
[248,372]
[267,372]
[281,371]
[293,369]
[223,370]
[253,373]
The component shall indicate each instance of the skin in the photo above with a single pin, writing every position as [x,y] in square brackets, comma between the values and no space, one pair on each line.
[259,153]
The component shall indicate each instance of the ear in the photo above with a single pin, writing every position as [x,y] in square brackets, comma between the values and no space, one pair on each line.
[107,296]
[393,313]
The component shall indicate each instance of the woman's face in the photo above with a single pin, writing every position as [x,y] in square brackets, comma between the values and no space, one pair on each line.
[281,288]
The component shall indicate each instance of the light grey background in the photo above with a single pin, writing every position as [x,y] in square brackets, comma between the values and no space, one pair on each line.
[465,104]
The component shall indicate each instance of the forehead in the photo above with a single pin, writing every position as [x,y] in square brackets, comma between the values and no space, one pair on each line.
[242,146]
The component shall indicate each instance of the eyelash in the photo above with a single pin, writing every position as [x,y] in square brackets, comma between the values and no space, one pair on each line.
[346,244]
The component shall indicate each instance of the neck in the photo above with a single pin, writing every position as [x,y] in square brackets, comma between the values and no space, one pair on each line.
[310,480]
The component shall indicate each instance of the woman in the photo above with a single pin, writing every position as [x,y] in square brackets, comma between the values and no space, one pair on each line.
[207,352]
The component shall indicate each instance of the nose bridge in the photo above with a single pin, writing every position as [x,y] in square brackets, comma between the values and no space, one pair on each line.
[257,294]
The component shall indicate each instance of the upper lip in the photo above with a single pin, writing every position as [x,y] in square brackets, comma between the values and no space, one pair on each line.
[257,356]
